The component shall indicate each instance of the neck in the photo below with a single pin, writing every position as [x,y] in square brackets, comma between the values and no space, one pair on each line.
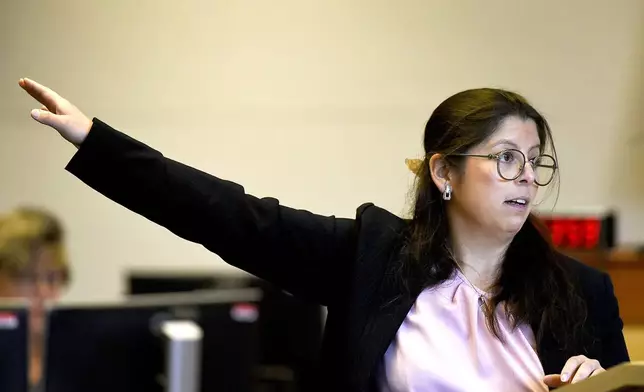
[35,359]
[478,254]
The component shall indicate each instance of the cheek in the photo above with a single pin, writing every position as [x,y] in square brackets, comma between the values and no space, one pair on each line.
[9,289]
[482,185]
[52,294]
[24,291]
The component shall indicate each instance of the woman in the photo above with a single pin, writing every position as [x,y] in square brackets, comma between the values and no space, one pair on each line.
[33,266]
[467,295]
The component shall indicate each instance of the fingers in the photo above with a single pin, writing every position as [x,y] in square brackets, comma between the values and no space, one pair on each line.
[571,366]
[57,112]
[46,117]
[576,369]
[586,370]
[42,94]
[553,380]
[597,371]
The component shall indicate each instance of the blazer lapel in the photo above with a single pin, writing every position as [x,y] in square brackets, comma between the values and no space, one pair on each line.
[552,359]
[386,313]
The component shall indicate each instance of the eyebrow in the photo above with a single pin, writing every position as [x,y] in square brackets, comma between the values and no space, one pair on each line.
[512,144]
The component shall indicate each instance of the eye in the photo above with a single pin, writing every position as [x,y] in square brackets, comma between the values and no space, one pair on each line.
[545,161]
[540,161]
[506,156]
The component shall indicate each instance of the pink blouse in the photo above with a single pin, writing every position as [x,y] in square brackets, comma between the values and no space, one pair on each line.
[444,345]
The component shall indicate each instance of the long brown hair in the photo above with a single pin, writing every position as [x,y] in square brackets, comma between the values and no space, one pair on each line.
[533,285]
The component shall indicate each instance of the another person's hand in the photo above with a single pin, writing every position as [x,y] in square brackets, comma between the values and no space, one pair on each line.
[576,369]
[57,112]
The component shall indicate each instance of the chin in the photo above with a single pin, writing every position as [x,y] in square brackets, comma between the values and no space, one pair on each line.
[513,224]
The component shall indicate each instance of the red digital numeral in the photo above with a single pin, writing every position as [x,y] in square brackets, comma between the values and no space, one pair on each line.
[558,231]
[574,233]
[592,229]
[575,236]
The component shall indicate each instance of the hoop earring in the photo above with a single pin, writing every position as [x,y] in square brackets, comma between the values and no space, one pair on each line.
[447,193]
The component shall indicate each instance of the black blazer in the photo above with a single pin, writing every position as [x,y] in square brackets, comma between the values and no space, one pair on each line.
[344,264]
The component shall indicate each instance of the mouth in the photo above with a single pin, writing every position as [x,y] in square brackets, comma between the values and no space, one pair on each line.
[519,202]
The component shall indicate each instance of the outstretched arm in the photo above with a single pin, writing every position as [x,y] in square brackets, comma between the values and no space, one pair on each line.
[306,254]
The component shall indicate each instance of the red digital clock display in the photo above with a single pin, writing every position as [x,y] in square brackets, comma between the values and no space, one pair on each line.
[580,232]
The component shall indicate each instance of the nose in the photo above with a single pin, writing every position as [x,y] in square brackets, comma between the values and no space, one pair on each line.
[42,288]
[528,175]
[45,289]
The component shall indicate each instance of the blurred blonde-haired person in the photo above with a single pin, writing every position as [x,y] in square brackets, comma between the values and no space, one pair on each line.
[34,267]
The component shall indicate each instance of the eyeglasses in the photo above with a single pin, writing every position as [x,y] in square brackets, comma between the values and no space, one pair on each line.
[510,164]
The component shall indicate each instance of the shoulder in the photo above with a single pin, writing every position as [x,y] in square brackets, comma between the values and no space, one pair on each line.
[592,281]
[371,212]
[595,286]
[587,275]
[380,233]
[372,219]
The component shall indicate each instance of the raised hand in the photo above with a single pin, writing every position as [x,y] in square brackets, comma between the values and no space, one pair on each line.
[57,112]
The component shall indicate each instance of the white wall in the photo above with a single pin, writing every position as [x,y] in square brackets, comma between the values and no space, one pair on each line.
[316,103]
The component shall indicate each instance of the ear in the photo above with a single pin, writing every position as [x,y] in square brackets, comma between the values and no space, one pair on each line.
[439,170]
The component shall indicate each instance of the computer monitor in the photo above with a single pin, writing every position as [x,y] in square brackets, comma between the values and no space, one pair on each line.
[113,347]
[290,328]
[14,346]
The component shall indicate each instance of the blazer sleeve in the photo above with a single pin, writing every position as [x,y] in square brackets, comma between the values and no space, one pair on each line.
[613,345]
[304,253]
